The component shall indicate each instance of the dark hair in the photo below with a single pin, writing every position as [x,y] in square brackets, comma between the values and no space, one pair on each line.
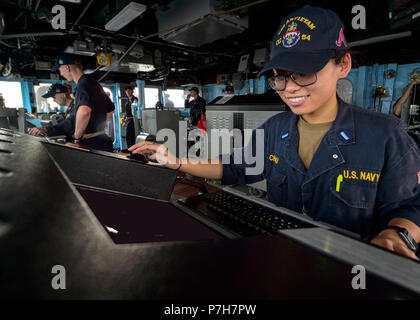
[228,88]
[339,55]
[129,88]
[358,58]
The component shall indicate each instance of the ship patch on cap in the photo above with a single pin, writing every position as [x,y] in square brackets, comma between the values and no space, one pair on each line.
[292,36]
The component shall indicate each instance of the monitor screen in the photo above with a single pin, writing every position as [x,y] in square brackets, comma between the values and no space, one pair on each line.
[134,219]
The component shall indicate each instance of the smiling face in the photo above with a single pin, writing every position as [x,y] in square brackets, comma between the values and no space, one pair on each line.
[316,103]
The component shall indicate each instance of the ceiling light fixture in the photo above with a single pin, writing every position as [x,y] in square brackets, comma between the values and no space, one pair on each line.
[72,1]
[125,16]
[143,67]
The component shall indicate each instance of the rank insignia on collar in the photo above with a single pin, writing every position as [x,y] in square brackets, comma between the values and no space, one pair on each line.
[345,136]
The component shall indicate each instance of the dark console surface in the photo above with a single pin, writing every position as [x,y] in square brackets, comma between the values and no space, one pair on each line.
[134,219]
[45,222]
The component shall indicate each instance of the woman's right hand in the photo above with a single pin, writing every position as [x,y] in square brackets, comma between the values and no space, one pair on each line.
[37,131]
[155,151]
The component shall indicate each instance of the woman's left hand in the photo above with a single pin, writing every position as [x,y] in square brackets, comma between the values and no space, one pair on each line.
[390,240]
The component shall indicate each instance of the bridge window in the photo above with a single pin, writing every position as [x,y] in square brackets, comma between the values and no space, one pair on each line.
[151,96]
[173,98]
[44,105]
[12,94]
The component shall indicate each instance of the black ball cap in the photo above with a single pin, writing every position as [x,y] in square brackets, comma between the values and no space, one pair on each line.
[65,59]
[54,89]
[306,40]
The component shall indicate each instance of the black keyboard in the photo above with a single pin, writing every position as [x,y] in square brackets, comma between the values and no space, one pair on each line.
[242,216]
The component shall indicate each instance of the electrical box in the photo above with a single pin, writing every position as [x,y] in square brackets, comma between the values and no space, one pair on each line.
[260,57]
[83,48]
[155,120]
[43,65]
[243,63]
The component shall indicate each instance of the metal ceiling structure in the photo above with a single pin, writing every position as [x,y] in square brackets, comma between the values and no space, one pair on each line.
[186,39]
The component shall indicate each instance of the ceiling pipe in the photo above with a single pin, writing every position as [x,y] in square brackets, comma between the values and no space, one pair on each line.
[37,5]
[38,34]
[380,39]
[117,35]
[81,15]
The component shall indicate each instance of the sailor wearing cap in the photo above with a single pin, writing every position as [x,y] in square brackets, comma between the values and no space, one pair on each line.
[61,96]
[92,105]
[228,90]
[348,166]
[197,106]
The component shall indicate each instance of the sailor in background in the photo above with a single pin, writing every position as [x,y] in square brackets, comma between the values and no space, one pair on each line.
[228,90]
[92,106]
[169,104]
[197,106]
[128,123]
[61,96]
[397,108]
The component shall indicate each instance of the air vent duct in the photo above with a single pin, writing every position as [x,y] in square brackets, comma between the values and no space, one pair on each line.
[205,30]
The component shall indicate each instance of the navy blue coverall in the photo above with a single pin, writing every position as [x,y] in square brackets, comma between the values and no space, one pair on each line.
[65,127]
[365,172]
[90,93]
[197,109]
